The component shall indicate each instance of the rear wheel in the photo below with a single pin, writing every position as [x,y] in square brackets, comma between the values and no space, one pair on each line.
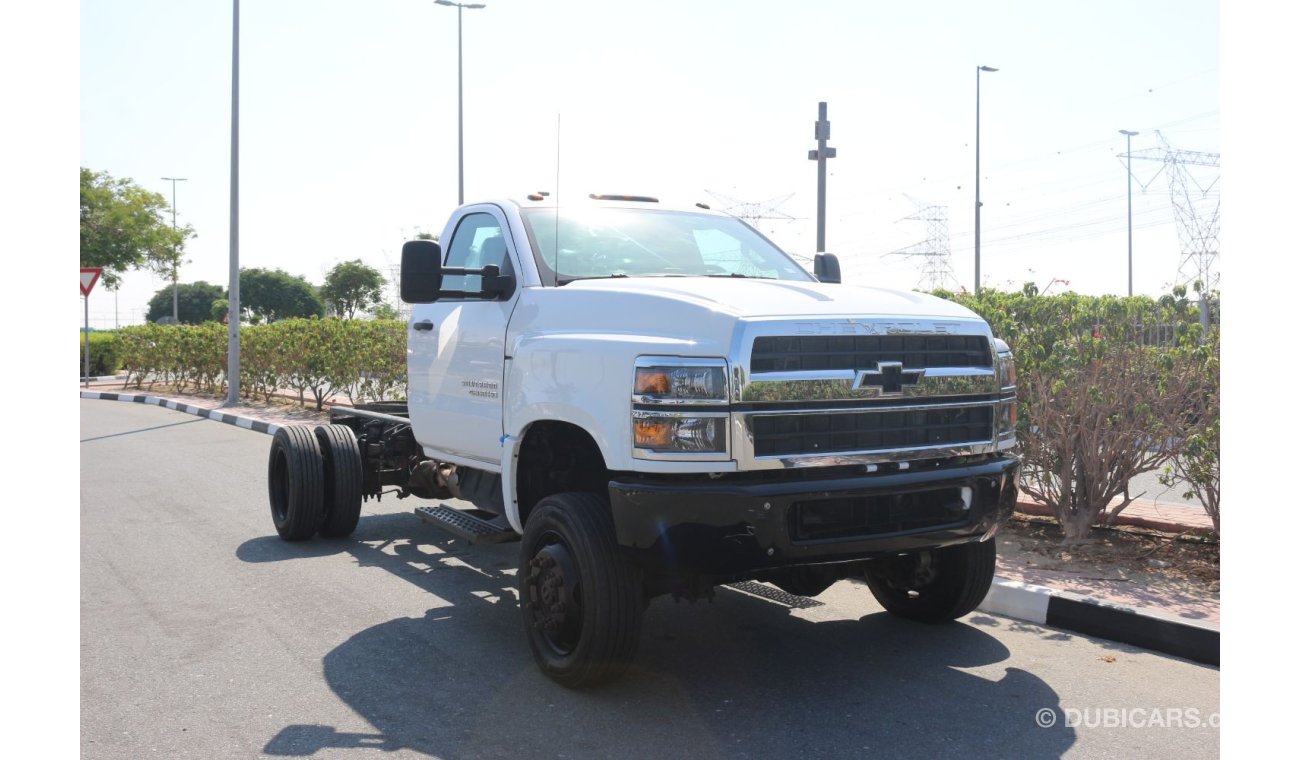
[582,602]
[296,482]
[342,479]
[934,586]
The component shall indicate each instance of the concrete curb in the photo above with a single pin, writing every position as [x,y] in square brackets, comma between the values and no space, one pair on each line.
[1150,629]
[1146,628]
[215,415]
[1029,507]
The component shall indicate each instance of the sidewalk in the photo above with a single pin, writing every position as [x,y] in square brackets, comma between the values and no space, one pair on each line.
[1179,623]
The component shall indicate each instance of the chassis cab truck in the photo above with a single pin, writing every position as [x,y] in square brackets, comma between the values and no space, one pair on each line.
[654,401]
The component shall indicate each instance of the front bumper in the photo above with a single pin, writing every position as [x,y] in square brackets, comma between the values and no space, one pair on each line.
[732,529]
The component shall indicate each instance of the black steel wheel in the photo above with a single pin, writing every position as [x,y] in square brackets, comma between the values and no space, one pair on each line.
[934,586]
[296,481]
[581,601]
[342,479]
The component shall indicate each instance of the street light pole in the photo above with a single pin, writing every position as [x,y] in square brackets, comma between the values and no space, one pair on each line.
[176,310]
[978,69]
[460,92]
[1128,167]
[232,312]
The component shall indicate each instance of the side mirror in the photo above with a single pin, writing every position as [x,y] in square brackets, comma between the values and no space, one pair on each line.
[421,271]
[826,267]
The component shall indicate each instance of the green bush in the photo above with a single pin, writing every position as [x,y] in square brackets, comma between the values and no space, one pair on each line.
[1108,388]
[366,360]
[105,354]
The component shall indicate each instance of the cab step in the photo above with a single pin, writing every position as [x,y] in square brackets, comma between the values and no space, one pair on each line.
[475,530]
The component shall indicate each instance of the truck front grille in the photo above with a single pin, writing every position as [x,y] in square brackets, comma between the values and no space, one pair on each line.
[810,353]
[815,433]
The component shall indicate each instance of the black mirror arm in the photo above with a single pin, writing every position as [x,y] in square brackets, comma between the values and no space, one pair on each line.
[495,284]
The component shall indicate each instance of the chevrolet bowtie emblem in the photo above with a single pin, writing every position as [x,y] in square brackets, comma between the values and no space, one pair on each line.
[889,377]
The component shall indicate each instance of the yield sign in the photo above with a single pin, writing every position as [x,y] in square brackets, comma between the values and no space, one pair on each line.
[89,276]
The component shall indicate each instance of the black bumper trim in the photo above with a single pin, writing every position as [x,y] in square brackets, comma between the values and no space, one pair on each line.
[732,529]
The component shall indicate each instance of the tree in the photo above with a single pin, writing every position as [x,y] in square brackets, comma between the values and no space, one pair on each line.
[267,295]
[351,287]
[122,228]
[384,311]
[195,301]
[220,308]
[1197,466]
[1102,412]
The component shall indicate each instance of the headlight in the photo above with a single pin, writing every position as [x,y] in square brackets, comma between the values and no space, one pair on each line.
[678,432]
[1007,406]
[666,385]
[679,408]
[1006,366]
[1007,415]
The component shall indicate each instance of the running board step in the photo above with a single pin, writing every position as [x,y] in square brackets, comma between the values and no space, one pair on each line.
[473,529]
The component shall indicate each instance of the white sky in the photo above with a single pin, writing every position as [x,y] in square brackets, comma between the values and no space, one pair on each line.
[348,123]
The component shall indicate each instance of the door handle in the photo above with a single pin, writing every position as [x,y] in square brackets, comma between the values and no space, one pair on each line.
[423,326]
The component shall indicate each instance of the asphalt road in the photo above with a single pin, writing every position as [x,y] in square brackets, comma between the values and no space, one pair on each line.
[203,636]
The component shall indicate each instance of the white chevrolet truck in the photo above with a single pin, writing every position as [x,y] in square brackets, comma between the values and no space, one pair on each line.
[657,400]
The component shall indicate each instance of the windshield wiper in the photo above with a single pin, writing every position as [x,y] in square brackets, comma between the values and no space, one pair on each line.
[743,276]
[567,280]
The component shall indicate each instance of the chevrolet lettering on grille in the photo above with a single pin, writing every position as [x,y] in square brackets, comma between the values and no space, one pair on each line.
[890,377]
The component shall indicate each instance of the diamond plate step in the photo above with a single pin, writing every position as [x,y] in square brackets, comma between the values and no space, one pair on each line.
[473,529]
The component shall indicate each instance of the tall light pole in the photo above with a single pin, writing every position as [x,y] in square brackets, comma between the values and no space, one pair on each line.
[176,310]
[232,313]
[460,91]
[1128,167]
[978,69]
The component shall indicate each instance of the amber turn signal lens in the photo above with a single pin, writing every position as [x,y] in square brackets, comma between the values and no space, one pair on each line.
[654,434]
[651,382]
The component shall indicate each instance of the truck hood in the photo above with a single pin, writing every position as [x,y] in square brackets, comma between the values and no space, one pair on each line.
[753,298]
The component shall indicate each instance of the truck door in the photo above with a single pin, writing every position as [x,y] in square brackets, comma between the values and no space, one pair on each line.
[457,348]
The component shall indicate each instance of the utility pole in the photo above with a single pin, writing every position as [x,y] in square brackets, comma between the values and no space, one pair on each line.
[822,133]
[1197,212]
[232,314]
[978,69]
[1128,136]
[460,88]
[176,311]
[936,272]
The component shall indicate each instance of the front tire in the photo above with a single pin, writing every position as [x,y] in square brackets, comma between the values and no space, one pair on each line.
[296,481]
[934,586]
[581,601]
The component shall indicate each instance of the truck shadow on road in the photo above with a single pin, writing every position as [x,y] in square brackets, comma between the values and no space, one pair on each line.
[741,676]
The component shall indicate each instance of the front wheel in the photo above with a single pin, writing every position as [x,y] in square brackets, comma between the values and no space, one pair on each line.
[581,601]
[934,586]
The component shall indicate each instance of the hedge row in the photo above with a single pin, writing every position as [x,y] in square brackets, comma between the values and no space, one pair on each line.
[364,360]
[105,354]
[1043,330]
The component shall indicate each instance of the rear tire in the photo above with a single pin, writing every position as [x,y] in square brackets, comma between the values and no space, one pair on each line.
[342,479]
[582,602]
[935,586]
[296,481]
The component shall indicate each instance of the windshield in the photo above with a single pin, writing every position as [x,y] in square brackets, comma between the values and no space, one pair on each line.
[650,243]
